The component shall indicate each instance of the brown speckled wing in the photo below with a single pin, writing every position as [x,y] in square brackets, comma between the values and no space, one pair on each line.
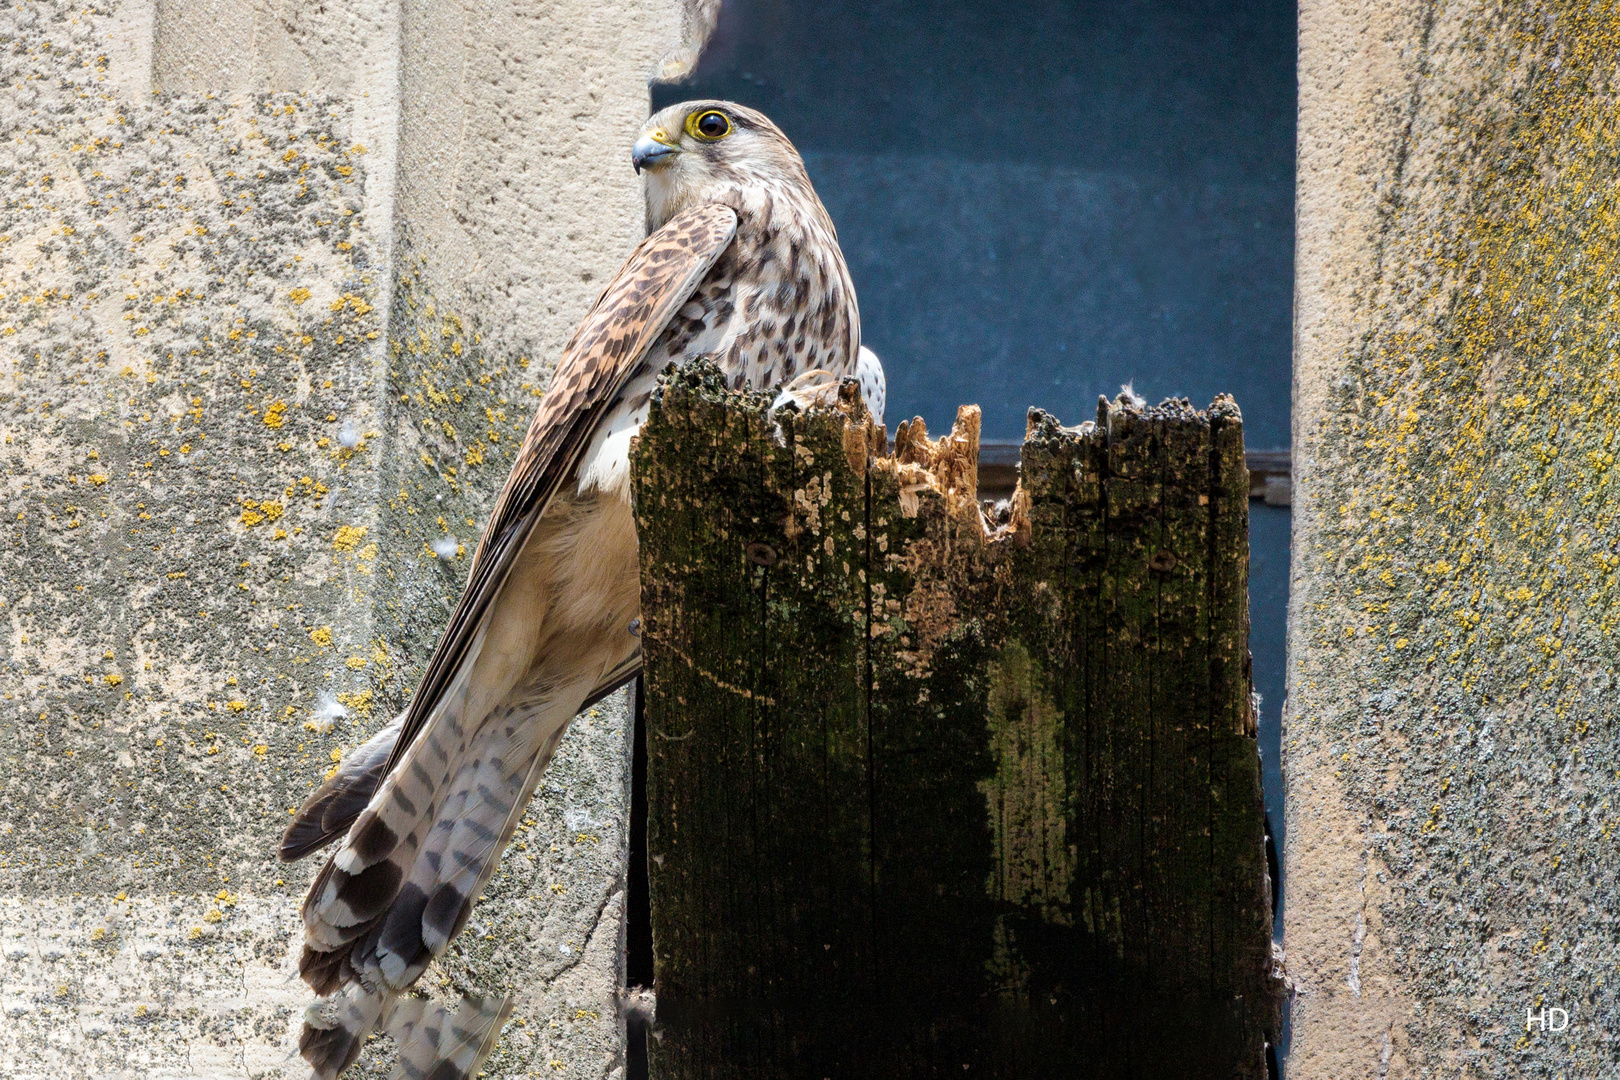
[631,313]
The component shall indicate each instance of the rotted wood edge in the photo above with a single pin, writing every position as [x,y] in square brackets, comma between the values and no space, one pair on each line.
[938,480]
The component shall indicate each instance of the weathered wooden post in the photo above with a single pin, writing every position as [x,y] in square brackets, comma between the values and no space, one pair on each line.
[935,794]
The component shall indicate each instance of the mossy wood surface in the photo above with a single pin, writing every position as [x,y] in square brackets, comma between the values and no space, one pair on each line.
[931,797]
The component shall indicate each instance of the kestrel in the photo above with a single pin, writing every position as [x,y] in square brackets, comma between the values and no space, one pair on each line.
[741,264]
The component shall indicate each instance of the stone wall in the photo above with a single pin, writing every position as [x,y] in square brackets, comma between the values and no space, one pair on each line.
[1450,748]
[280,285]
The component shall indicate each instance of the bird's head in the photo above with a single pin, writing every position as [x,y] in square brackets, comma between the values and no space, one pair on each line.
[711,151]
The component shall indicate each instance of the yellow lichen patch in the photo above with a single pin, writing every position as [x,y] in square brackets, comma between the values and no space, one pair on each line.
[299,295]
[236,705]
[355,303]
[356,663]
[275,414]
[348,536]
[321,635]
[112,678]
[1469,437]
[97,479]
[359,701]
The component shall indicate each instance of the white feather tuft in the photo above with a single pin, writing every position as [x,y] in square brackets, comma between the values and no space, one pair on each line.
[874,386]
[607,466]
[327,712]
[445,547]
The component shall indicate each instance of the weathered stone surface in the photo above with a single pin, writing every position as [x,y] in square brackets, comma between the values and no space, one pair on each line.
[1451,755]
[279,288]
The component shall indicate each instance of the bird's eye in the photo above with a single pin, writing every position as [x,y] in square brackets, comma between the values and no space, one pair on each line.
[710,125]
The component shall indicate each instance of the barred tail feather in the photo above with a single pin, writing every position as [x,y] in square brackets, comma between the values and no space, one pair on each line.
[438,1044]
[335,1030]
[463,848]
[379,925]
[360,881]
[328,813]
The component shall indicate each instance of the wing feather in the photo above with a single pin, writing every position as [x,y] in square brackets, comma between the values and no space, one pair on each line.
[597,361]
[633,310]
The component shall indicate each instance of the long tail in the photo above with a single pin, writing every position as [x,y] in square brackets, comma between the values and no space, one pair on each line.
[332,809]
[403,883]
[433,1041]
[336,1028]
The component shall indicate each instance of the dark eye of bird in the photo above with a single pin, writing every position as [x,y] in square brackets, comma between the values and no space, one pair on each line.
[713,125]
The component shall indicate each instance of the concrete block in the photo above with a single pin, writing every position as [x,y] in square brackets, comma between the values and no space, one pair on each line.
[1450,763]
[280,285]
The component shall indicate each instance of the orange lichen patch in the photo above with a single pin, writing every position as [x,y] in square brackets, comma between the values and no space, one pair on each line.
[254,511]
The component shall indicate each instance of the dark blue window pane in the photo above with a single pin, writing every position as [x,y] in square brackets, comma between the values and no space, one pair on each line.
[1040,201]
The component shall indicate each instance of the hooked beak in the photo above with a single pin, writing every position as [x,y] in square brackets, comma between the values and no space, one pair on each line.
[649,151]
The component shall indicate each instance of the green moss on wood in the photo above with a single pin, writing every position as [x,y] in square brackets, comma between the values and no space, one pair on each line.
[924,796]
